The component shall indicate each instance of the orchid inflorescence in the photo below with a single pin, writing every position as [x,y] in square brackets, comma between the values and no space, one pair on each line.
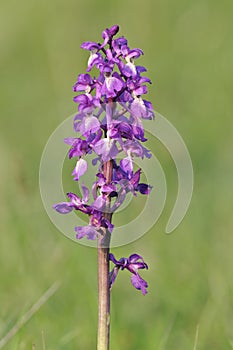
[109,119]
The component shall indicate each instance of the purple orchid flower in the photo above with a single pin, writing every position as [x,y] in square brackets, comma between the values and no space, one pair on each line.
[129,181]
[75,203]
[111,108]
[112,85]
[86,124]
[109,33]
[79,147]
[84,83]
[97,223]
[134,263]
[87,103]
[96,228]
[107,149]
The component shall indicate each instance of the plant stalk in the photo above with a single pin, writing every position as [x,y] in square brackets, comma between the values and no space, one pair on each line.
[103,267]
[103,299]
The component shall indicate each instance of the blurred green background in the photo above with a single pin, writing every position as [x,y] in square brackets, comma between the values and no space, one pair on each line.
[189,55]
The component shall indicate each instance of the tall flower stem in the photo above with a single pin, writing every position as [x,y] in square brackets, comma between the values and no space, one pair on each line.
[104,299]
[103,266]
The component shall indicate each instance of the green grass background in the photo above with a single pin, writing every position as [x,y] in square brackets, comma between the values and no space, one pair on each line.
[189,55]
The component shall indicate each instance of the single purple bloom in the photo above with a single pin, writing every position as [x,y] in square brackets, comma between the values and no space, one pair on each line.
[75,203]
[135,149]
[136,87]
[86,124]
[139,107]
[106,67]
[128,180]
[112,85]
[128,70]
[108,33]
[134,263]
[106,148]
[84,83]
[94,60]
[119,129]
[79,147]
[118,44]
[87,103]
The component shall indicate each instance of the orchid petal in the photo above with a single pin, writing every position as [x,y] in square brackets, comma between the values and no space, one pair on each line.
[80,169]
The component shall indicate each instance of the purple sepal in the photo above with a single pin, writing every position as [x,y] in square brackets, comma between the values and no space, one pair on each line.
[63,207]
[74,199]
[86,194]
